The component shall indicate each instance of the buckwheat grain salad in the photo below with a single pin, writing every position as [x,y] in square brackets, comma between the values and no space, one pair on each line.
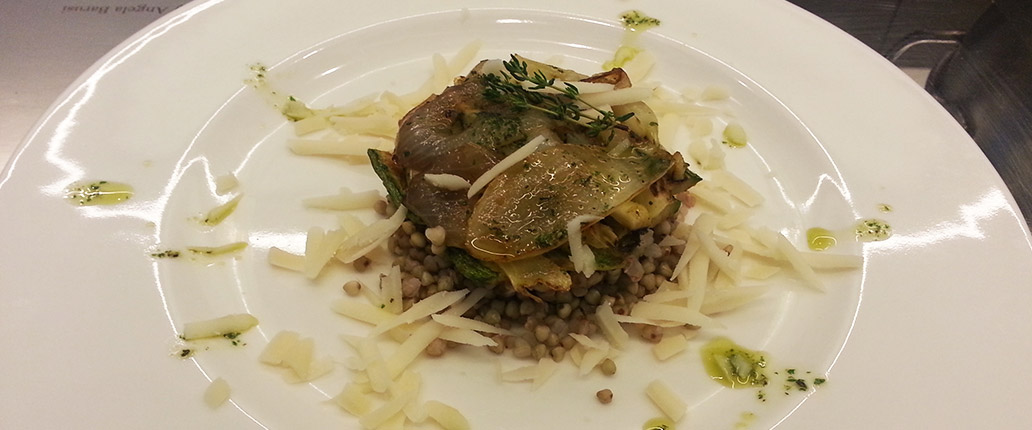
[533,211]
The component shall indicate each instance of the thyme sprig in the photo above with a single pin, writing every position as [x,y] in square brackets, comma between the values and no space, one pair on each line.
[565,104]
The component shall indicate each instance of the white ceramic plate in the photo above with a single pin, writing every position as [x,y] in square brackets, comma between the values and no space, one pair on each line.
[928,335]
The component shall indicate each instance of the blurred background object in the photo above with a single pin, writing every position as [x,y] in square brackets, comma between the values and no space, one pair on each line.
[881,24]
[973,56]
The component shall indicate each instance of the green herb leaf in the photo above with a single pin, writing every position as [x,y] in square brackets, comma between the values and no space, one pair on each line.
[507,87]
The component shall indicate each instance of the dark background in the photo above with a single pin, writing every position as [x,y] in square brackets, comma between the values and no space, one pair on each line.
[882,24]
[973,56]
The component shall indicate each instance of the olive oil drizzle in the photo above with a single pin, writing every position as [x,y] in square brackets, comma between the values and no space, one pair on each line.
[660,423]
[820,239]
[99,193]
[733,365]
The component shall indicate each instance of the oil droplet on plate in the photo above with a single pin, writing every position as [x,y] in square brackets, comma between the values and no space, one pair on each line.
[746,420]
[99,193]
[658,424]
[820,239]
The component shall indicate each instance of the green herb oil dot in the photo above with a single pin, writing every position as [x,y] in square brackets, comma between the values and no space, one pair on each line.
[872,230]
[638,21]
[733,365]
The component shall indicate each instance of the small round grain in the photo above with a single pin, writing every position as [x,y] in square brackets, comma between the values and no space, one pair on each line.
[540,351]
[521,348]
[410,287]
[436,348]
[408,227]
[361,264]
[541,332]
[417,239]
[651,333]
[558,353]
[352,288]
[436,235]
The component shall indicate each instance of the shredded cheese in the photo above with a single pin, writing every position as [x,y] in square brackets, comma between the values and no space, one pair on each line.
[390,288]
[377,124]
[466,337]
[447,416]
[235,323]
[617,97]
[463,58]
[319,249]
[703,231]
[376,370]
[217,393]
[670,346]
[507,162]
[610,326]
[691,247]
[712,196]
[345,199]
[737,187]
[592,358]
[546,367]
[297,354]
[588,342]
[667,296]
[354,399]
[360,311]
[361,243]
[630,319]
[277,348]
[382,414]
[447,181]
[299,357]
[726,299]
[668,402]
[672,313]
[312,124]
[422,309]
[469,324]
[580,254]
[413,346]
[283,259]
[795,259]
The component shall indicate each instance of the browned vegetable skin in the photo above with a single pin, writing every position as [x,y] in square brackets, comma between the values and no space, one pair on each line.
[461,133]
[523,213]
